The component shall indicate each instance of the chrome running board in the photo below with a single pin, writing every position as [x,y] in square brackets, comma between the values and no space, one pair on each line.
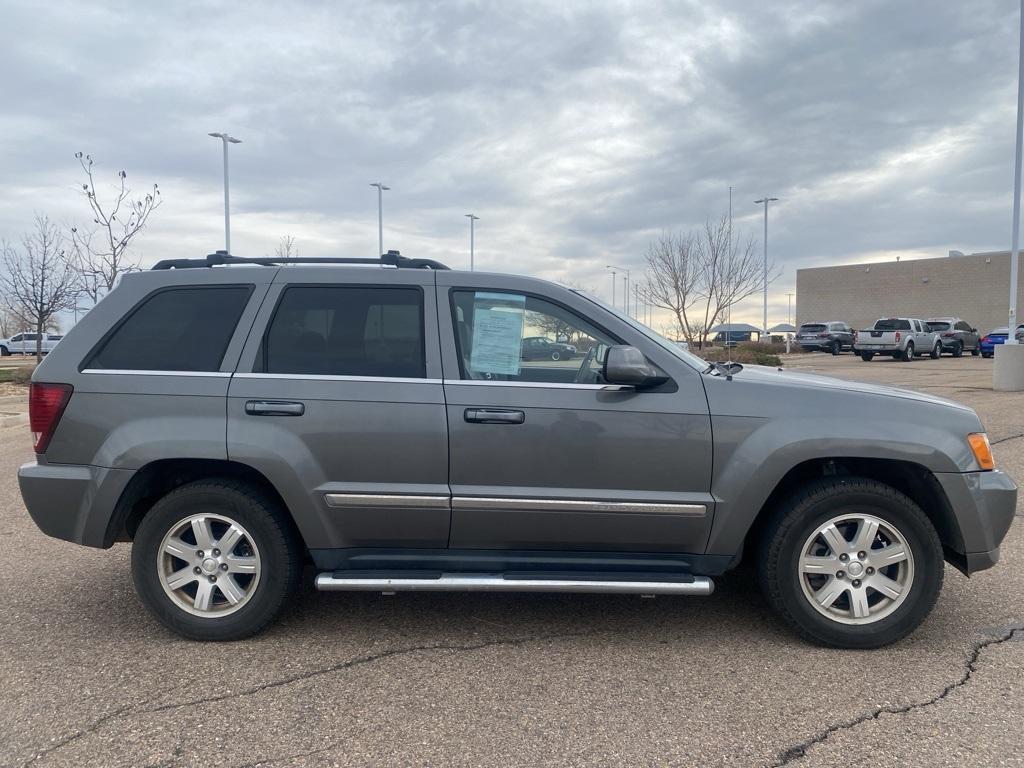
[520,582]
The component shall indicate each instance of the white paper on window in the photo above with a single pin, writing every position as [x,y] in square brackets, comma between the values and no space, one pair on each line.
[497,333]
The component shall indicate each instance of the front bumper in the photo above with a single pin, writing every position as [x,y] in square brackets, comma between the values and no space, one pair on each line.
[984,504]
[73,502]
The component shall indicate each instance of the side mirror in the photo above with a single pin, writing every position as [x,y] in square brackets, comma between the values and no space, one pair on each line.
[627,365]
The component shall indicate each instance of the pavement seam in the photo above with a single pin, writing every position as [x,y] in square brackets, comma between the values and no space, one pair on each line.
[339,667]
[1005,439]
[799,751]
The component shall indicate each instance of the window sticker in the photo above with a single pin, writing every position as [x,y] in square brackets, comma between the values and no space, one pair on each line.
[497,333]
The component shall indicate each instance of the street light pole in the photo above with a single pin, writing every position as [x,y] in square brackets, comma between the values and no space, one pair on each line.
[767,200]
[381,189]
[1011,337]
[625,280]
[613,275]
[226,139]
[472,220]
[789,311]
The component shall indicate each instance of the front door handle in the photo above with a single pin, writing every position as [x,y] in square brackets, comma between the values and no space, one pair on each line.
[274,408]
[494,416]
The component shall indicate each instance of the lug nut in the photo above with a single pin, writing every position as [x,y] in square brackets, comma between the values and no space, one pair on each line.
[856,582]
[870,570]
[197,569]
[861,555]
[200,553]
[223,566]
[844,557]
[216,553]
[213,579]
[840,574]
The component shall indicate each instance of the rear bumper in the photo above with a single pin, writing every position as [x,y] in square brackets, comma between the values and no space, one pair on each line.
[984,504]
[72,502]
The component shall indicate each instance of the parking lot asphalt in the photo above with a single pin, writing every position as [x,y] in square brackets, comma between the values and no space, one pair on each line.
[86,678]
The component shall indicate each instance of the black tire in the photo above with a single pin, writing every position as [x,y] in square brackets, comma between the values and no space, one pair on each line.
[986,355]
[958,349]
[281,557]
[936,352]
[556,355]
[801,514]
[867,356]
[908,353]
[976,351]
[5,352]
[837,347]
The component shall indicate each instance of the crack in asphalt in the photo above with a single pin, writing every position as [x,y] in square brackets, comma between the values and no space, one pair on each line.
[129,710]
[799,751]
[1005,439]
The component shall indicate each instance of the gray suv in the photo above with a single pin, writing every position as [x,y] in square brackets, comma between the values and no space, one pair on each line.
[374,419]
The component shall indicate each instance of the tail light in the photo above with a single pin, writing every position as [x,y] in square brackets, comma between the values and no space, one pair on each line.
[948,335]
[855,333]
[898,337]
[822,335]
[46,404]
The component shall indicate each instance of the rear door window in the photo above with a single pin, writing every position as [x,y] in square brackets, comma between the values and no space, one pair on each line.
[892,325]
[178,329]
[370,331]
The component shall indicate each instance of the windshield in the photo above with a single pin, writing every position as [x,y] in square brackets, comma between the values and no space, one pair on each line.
[938,326]
[892,325]
[811,328]
[667,344]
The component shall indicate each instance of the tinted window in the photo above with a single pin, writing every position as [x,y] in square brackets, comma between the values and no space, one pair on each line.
[962,326]
[892,325]
[811,328]
[182,329]
[938,326]
[512,337]
[346,331]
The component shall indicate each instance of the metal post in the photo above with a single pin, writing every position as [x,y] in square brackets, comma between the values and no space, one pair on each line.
[472,220]
[613,276]
[381,189]
[1015,247]
[625,293]
[767,200]
[226,139]
[789,296]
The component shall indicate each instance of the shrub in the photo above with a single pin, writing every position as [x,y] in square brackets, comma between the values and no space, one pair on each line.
[751,354]
[21,375]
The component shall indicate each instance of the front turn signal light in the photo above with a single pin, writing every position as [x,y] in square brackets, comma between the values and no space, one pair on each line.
[981,449]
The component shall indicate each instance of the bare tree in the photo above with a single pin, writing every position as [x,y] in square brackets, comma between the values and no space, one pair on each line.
[38,281]
[699,276]
[672,278]
[286,248]
[101,252]
[10,323]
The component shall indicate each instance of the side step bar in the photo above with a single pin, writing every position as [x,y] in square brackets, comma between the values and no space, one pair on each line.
[459,582]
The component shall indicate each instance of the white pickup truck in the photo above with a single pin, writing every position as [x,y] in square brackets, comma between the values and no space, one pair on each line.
[899,337]
[25,343]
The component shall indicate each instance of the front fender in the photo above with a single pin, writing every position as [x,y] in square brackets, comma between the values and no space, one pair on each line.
[753,454]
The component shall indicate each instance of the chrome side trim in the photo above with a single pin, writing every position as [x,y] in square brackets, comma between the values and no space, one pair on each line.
[574,505]
[454,582]
[325,377]
[526,384]
[385,500]
[117,372]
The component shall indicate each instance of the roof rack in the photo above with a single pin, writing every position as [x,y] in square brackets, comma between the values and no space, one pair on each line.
[223,258]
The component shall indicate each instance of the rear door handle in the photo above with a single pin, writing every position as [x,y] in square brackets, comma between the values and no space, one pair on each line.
[494,416]
[274,408]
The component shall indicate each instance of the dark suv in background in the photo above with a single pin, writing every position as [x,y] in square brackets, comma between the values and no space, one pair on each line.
[956,335]
[831,337]
[239,420]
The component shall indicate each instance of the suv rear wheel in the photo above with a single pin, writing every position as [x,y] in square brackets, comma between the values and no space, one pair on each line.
[213,560]
[908,353]
[851,563]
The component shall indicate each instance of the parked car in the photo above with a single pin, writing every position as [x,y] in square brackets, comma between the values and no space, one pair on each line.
[902,338]
[831,337]
[730,338]
[541,348]
[376,422]
[25,343]
[998,336]
[956,335]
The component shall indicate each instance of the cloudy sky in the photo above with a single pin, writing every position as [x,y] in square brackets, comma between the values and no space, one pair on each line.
[576,131]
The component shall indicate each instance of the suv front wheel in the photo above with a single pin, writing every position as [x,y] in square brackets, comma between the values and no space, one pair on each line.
[214,560]
[851,563]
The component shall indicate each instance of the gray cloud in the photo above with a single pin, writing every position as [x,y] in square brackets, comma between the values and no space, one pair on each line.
[575,131]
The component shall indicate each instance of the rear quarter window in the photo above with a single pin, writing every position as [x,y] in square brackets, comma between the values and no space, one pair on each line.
[176,329]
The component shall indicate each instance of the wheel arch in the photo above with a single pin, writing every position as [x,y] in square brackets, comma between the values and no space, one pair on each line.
[909,478]
[158,478]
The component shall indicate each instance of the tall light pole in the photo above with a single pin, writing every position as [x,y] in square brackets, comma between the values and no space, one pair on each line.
[767,200]
[381,189]
[226,139]
[625,280]
[789,311]
[1015,247]
[472,220]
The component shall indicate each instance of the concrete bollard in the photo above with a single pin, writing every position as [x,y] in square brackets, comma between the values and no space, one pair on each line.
[1008,368]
